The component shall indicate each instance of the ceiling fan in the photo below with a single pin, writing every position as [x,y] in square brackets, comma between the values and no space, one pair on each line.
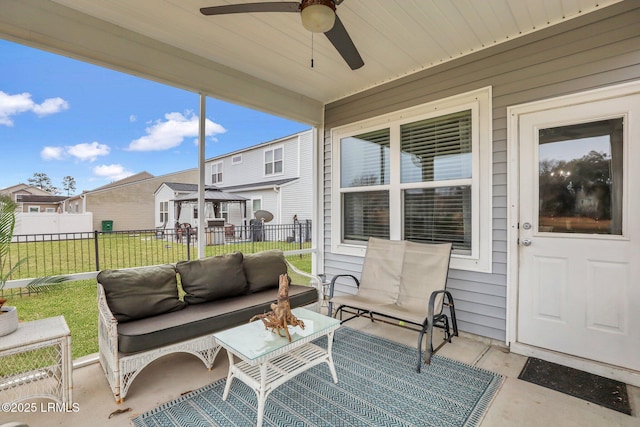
[318,16]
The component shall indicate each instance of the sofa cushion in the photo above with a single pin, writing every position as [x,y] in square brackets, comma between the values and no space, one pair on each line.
[141,292]
[212,278]
[207,318]
[263,269]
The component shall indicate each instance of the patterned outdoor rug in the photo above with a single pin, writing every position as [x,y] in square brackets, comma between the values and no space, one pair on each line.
[377,386]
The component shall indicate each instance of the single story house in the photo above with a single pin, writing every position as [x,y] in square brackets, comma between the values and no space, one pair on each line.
[33,199]
[37,204]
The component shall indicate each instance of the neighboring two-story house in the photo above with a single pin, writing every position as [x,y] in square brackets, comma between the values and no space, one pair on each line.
[274,176]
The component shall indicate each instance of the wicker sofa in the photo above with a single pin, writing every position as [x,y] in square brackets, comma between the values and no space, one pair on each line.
[143,316]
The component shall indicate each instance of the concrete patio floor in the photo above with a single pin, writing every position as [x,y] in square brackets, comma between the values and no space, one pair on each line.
[518,403]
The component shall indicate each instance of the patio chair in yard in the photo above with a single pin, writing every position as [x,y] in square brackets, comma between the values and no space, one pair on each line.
[404,283]
[160,230]
[185,228]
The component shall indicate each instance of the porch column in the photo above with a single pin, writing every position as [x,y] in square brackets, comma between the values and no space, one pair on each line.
[317,203]
[201,150]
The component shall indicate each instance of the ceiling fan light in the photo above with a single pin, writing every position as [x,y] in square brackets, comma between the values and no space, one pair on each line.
[318,16]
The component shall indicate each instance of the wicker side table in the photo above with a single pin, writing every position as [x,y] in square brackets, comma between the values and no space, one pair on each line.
[35,362]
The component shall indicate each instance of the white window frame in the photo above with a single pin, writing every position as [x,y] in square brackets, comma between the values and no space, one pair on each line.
[253,200]
[479,102]
[236,159]
[264,157]
[217,168]
[34,209]
[164,212]
[224,211]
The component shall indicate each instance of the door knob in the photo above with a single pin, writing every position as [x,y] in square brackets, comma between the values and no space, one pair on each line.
[526,242]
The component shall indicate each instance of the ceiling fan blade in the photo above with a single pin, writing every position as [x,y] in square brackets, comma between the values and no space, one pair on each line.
[288,6]
[340,39]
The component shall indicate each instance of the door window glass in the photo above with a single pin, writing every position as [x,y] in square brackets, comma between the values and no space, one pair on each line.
[580,178]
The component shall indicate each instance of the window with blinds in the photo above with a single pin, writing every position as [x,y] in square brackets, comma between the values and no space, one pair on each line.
[365,162]
[439,215]
[365,159]
[422,174]
[436,149]
[366,214]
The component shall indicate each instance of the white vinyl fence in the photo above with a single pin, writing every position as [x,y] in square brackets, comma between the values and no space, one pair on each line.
[52,223]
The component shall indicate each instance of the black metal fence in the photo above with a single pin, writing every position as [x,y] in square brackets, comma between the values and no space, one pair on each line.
[73,253]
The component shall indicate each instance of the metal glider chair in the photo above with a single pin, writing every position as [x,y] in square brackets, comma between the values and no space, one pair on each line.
[402,283]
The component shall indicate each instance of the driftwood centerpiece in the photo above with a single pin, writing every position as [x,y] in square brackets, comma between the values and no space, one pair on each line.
[280,316]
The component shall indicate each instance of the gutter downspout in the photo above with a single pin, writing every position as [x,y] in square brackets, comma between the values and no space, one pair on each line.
[276,190]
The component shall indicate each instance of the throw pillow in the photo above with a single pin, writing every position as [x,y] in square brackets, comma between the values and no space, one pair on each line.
[263,269]
[212,278]
[141,292]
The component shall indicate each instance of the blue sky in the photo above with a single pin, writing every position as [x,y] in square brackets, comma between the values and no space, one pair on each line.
[62,117]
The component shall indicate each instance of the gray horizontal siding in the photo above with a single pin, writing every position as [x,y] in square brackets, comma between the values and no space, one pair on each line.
[594,50]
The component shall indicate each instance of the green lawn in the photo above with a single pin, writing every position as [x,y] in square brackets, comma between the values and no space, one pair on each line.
[76,301]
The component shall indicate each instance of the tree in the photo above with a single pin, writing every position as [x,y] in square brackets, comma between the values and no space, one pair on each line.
[42,181]
[69,184]
[560,181]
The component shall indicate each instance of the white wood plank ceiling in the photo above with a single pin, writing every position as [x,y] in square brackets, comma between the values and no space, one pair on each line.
[394,38]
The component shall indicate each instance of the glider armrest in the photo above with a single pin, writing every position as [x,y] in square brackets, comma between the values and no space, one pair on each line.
[332,285]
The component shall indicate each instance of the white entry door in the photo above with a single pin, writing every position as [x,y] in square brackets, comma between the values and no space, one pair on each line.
[579,229]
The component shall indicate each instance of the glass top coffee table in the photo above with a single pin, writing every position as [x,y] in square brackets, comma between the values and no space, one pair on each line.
[268,360]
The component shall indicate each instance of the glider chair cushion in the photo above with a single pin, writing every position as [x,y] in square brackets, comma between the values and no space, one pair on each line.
[424,271]
[379,282]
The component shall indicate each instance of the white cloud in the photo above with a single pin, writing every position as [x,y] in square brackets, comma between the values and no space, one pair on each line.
[88,151]
[50,106]
[133,118]
[84,152]
[169,133]
[111,172]
[11,105]
[52,153]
